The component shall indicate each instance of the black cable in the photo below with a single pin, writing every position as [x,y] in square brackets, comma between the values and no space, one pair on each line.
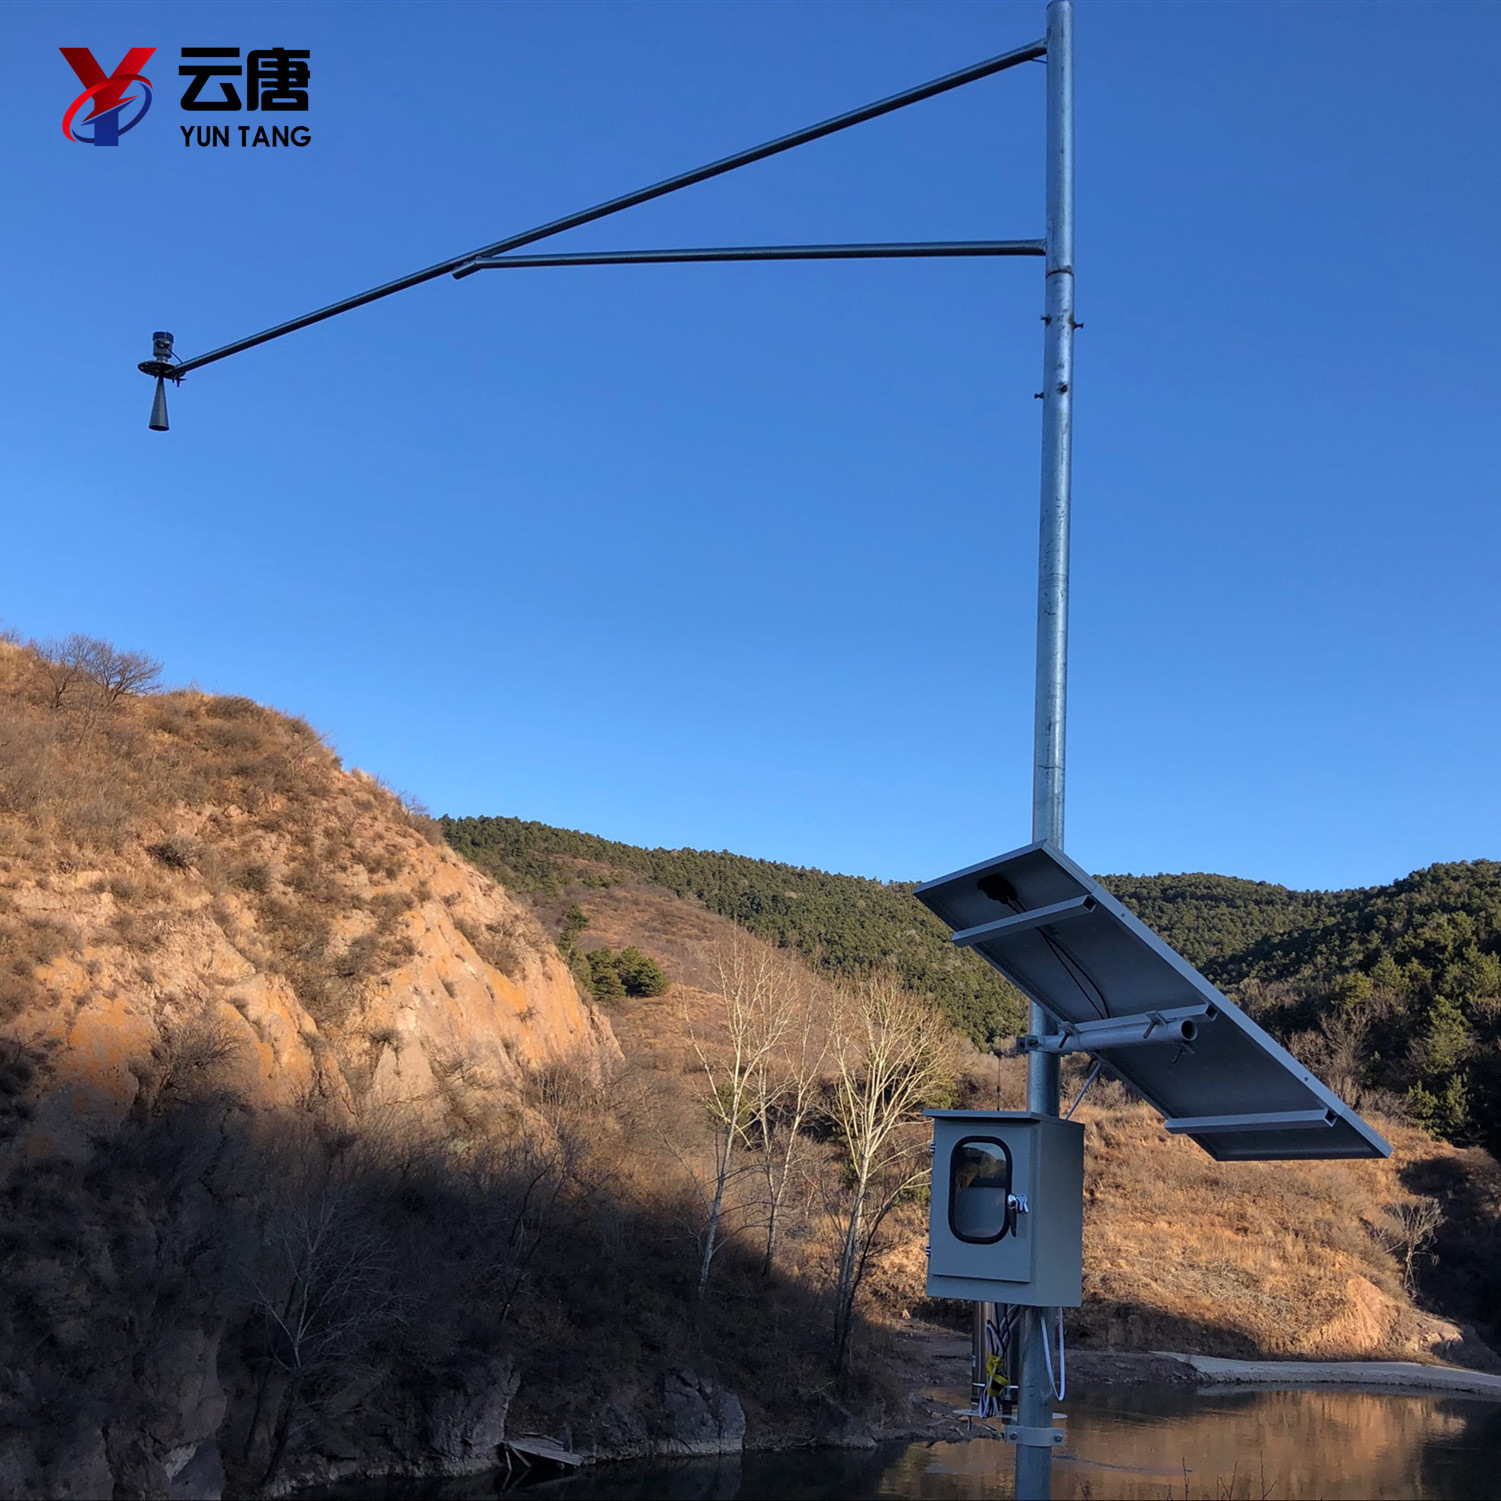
[1077,974]
[1001,891]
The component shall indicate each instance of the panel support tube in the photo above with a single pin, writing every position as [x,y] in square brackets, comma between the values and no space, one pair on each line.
[1034,1465]
[1177,1024]
[1276,1120]
[1038,917]
[971,74]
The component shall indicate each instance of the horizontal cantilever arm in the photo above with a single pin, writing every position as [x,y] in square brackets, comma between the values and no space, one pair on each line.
[919,250]
[930,90]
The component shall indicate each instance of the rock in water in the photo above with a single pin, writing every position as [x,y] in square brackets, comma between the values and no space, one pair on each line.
[837,1427]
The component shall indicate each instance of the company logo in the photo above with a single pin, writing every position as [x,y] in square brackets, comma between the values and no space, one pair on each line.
[274,81]
[108,94]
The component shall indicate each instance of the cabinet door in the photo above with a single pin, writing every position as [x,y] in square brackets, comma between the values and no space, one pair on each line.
[976,1228]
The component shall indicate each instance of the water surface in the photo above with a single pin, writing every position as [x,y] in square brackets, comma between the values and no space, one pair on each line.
[1210,1443]
[1136,1441]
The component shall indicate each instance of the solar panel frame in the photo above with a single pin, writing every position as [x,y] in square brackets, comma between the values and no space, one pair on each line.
[1065,942]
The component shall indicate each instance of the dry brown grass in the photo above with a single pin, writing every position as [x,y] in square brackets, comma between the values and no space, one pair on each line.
[1181,1252]
[174,801]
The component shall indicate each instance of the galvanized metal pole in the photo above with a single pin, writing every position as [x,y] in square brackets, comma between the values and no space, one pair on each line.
[1034,1459]
[1057,434]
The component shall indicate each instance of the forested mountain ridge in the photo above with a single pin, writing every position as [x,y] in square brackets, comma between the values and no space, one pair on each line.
[837,923]
[1217,922]
[1389,991]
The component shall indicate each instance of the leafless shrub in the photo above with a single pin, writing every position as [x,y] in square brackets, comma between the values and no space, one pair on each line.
[495,944]
[175,854]
[232,706]
[195,1056]
[116,673]
[255,876]
[430,829]
[358,958]
[1339,1049]
[60,663]
[26,945]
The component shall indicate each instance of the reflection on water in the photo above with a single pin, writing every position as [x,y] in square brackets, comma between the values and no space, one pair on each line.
[1210,1444]
[1127,1442]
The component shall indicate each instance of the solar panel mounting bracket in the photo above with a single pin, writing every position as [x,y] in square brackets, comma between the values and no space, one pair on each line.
[1173,1025]
[1043,917]
[1271,1120]
[1114,988]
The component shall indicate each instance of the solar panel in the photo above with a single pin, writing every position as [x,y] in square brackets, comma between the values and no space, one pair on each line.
[1119,992]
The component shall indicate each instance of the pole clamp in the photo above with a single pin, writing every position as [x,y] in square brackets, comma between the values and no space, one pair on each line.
[1033,1438]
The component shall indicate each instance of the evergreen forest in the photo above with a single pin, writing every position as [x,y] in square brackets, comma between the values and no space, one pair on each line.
[1391,993]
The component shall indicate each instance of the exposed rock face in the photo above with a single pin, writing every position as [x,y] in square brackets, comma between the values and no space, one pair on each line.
[837,1427]
[702,1417]
[103,1011]
[161,1438]
[69,1463]
[201,1477]
[620,1433]
[466,1418]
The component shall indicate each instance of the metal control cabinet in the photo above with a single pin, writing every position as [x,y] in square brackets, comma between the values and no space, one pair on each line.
[1007,1218]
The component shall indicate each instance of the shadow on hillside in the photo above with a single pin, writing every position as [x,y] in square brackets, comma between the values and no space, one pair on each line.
[1460,1273]
[1119,1325]
[369,1293]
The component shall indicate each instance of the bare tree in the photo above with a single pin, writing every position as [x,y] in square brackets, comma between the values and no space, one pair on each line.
[1341,1046]
[784,1091]
[891,1053]
[754,1011]
[61,662]
[116,673]
[329,1286]
[75,660]
[547,1170]
[1407,1229]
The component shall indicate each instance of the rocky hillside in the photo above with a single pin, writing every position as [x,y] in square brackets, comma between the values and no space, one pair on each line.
[183,866]
[248,1001]
[314,1160]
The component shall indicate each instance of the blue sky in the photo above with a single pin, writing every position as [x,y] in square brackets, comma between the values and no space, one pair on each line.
[743,556]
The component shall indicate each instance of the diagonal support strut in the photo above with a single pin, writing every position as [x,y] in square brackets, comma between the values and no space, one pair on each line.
[1032,52]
